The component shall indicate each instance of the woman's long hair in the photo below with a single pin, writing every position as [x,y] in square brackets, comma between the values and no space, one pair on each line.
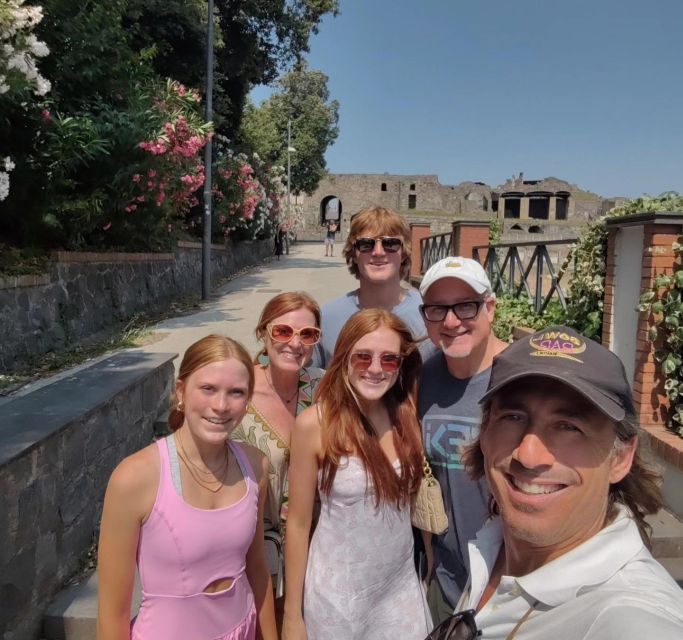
[347,430]
[212,348]
[280,305]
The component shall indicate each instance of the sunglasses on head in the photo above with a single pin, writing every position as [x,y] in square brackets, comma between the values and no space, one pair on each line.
[284,333]
[462,310]
[389,244]
[362,360]
[460,626]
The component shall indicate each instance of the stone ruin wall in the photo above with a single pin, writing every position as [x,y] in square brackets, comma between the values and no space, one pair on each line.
[428,195]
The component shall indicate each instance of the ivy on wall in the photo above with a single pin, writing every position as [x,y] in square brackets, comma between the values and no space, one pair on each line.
[665,302]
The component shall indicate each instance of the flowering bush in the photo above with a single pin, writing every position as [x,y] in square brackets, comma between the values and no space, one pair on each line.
[172,171]
[19,48]
[7,166]
[246,194]
[159,174]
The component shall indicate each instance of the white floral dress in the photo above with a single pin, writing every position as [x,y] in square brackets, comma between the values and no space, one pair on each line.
[361,582]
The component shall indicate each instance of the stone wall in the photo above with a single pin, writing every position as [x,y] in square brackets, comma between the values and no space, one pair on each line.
[424,193]
[58,446]
[86,294]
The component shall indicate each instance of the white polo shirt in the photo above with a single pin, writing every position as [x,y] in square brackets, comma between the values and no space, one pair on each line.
[608,588]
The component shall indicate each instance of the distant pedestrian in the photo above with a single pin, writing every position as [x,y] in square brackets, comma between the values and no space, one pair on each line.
[330,236]
[279,240]
[188,509]
[359,448]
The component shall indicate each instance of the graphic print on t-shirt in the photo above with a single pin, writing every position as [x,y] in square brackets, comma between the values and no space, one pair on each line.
[445,438]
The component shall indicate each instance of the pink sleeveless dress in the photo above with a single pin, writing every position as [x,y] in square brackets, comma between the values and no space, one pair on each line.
[182,550]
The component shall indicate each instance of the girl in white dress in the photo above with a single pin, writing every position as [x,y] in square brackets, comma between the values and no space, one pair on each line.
[360,445]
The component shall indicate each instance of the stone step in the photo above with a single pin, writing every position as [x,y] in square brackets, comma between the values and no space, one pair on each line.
[667,535]
[73,614]
[675,567]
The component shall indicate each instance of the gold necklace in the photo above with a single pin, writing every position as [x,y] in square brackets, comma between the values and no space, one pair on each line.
[279,395]
[203,483]
[207,484]
[208,471]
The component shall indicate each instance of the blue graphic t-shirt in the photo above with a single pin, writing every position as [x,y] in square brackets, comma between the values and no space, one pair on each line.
[450,414]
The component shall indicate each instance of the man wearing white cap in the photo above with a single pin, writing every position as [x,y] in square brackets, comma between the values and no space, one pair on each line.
[458,308]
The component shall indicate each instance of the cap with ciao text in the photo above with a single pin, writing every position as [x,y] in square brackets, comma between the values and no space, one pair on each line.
[563,354]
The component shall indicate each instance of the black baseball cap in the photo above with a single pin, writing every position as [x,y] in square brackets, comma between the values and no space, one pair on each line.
[563,354]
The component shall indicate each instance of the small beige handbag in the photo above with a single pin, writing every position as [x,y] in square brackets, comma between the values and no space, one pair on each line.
[427,511]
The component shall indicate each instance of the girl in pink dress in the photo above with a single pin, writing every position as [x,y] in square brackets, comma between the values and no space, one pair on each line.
[189,510]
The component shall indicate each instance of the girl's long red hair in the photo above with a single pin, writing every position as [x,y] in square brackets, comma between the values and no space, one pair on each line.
[347,431]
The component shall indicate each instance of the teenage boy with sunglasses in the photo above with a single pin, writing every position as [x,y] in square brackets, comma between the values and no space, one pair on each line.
[377,252]
[458,308]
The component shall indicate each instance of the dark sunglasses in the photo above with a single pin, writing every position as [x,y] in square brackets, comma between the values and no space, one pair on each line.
[462,310]
[284,333]
[389,362]
[460,626]
[389,244]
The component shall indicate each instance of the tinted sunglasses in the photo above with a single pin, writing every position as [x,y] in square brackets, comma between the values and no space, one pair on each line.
[284,333]
[390,362]
[462,310]
[389,244]
[460,626]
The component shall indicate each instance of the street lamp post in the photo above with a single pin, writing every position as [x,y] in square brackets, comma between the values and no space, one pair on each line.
[290,150]
[206,235]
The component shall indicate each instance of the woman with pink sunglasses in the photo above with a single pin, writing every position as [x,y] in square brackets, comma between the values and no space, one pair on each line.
[360,446]
[289,328]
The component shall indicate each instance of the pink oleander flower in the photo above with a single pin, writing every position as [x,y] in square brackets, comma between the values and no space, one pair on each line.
[136,178]
[106,227]
[151,173]
[46,116]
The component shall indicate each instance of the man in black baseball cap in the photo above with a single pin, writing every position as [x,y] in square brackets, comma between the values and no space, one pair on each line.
[563,556]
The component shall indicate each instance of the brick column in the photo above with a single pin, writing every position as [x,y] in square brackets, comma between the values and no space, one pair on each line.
[659,231]
[418,230]
[468,234]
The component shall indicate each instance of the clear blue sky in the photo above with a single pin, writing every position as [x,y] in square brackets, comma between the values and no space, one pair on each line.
[590,91]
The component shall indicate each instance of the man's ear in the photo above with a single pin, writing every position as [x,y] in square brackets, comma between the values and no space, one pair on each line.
[622,460]
[490,305]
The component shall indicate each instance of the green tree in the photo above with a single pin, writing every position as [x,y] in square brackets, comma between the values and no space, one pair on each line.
[257,41]
[174,34]
[302,98]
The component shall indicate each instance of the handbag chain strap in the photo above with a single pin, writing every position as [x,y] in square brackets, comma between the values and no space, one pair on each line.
[427,470]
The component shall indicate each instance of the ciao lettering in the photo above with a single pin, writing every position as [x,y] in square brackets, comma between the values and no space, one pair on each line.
[557,344]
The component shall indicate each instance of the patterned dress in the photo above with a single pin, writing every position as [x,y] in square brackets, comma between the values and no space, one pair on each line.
[258,432]
[361,582]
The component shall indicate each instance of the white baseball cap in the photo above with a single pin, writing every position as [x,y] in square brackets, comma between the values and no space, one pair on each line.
[465,269]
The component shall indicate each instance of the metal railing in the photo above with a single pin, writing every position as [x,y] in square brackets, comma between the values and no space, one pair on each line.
[433,248]
[509,275]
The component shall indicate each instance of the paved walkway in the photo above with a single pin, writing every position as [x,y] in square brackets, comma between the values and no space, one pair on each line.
[235,308]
